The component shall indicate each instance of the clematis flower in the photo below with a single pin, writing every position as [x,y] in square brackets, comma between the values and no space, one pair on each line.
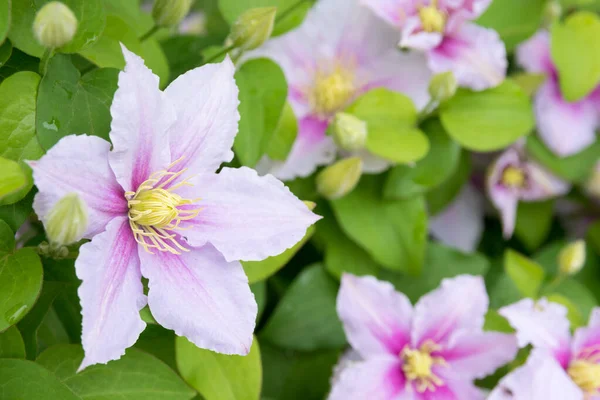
[513,177]
[340,51]
[566,128]
[441,29]
[561,366]
[432,351]
[157,209]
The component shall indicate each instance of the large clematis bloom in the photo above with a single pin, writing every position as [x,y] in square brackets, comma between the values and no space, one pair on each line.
[561,366]
[432,351]
[442,30]
[514,177]
[157,209]
[566,128]
[340,51]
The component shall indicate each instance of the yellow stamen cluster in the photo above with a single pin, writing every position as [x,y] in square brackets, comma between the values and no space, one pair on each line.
[432,18]
[513,177]
[417,366]
[585,371]
[154,211]
[332,89]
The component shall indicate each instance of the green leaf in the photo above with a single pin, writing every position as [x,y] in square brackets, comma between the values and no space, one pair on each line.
[5,51]
[15,214]
[5,6]
[232,9]
[26,380]
[441,196]
[594,236]
[261,270]
[576,54]
[526,274]
[514,20]
[263,91]
[488,120]
[575,168]
[497,323]
[135,376]
[159,342]
[90,24]
[219,376]
[69,103]
[573,312]
[259,290]
[305,318]
[284,136]
[581,297]
[440,262]
[155,60]
[12,177]
[438,165]
[11,344]
[393,232]
[534,220]
[391,119]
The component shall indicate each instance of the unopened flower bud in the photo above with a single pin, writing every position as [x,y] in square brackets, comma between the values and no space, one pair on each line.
[572,258]
[67,220]
[552,12]
[252,28]
[349,132]
[592,186]
[170,12]
[54,25]
[310,204]
[340,178]
[443,86]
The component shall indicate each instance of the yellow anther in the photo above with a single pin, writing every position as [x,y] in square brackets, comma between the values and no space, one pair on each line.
[432,18]
[586,374]
[513,177]
[418,366]
[332,90]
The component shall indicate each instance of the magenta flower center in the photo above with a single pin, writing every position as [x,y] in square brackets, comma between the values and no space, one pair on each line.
[332,89]
[432,18]
[585,371]
[418,364]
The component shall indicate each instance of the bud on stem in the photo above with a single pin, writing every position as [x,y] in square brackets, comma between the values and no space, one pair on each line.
[67,220]
[54,25]
[340,178]
[572,258]
[349,132]
[252,28]
[170,12]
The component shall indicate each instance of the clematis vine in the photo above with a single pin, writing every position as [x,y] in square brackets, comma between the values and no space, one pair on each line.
[340,51]
[561,366]
[434,350]
[157,209]
[566,128]
[442,29]
[513,177]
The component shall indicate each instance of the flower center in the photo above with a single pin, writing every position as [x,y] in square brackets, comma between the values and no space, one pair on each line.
[417,366]
[513,177]
[586,374]
[332,90]
[155,211]
[432,18]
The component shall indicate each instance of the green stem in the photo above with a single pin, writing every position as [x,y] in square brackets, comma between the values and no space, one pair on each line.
[219,54]
[148,34]
[554,283]
[45,60]
[428,110]
[289,10]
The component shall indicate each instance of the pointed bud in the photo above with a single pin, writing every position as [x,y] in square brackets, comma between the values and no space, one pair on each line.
[572,258]
[349,132]
[67,220]
[170,12]
[339,179]
[310,204]
[54,25]
[443,86]
[252,28]
[552,12]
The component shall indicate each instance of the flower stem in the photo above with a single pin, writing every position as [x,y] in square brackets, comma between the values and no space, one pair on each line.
[45,60]
[148,34]
[289,10]
[220,53]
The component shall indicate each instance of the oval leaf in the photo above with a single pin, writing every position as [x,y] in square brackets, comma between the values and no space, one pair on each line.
[26,380]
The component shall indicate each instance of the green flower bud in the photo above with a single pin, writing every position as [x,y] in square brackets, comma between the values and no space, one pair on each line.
[67,220]
[349,132]
[252,28]
[54,25]
[170,12]
[443,86]
[340,178]
[592,186]
[310,204]
[572,258]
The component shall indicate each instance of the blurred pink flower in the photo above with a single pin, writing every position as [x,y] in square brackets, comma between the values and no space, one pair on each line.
[442,29]
[432,351]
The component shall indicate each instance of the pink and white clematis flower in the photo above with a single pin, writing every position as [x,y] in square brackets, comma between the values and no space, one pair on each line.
[566,128]
[561,366]
[157,209]
[340,51]
[441,28]
[432,351]
[512,178]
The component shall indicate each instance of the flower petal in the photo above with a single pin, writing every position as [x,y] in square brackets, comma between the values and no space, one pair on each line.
[111,293]
[141,118]
[566,128]
[379,378]
[459,303]
[475,55]
[206,101]
[588,338]
[541,324]
[246,216]
[534,54]
[477,355]
[460,225]
[542,184]
[541,378]
[414,37]
[202,297]
[394,12]
[79,164]
[376,318]
[455,387]
[505,199]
